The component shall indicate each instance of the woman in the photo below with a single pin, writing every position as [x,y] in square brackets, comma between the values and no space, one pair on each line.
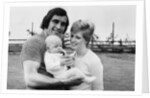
[85,59]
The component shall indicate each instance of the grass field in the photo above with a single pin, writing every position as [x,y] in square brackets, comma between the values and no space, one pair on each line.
[118,71]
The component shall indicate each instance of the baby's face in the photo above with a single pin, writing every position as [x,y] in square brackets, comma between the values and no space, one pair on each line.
[55,47]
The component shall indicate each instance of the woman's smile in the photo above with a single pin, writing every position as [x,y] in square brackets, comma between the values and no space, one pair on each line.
[77,41]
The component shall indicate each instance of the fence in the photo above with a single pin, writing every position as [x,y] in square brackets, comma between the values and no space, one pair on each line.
[115,46]
[15,45]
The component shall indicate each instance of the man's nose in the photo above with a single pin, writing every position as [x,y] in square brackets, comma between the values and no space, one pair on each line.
[58,25]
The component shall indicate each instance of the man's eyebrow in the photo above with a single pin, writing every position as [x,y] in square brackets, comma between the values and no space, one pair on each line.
[55,20]
[64,22]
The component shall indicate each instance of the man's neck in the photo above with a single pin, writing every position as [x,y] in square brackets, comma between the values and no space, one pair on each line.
[45,33]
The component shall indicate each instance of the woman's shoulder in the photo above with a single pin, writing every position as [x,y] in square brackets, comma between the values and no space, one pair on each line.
[94,59]
[93,56]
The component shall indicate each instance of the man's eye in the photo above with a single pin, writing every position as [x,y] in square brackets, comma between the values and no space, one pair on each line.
[63,24]
[55,21]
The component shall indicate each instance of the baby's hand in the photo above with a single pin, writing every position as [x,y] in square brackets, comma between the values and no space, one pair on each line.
[62,51]
[67,61]
[67,42]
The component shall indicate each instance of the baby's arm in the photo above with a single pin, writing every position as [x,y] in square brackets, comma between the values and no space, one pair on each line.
[51,63]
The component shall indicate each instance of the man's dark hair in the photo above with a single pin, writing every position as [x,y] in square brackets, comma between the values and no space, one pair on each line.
[50,14]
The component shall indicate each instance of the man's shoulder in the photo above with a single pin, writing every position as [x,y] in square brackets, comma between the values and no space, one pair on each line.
[36,39]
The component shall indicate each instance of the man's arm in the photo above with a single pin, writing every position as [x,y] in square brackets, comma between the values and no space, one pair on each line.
[33,79]
[36,80]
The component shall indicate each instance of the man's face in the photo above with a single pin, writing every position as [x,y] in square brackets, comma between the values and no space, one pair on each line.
[57,25]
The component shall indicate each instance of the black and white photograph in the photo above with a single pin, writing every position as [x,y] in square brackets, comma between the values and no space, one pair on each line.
[72,46]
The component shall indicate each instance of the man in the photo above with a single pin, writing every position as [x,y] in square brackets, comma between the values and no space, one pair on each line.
[32,54]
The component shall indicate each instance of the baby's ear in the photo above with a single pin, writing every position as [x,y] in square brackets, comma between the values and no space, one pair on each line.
[47,48]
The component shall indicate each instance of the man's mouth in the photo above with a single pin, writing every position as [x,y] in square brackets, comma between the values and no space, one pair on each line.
[55,32]
[73,45]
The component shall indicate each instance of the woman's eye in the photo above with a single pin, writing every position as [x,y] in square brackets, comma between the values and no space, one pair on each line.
[71,36]
[78,37]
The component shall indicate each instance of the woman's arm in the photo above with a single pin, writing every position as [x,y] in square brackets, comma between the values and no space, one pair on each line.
[97,70]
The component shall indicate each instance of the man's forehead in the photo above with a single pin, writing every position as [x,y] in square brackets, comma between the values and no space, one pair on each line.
[61,18]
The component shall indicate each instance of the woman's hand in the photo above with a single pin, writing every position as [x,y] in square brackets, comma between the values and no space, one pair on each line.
[66,40]
[67,61]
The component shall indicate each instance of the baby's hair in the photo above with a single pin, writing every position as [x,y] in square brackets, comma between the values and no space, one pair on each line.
[52,39]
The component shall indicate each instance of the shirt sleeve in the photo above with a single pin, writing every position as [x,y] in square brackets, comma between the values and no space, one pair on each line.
[31,51]
[97,71]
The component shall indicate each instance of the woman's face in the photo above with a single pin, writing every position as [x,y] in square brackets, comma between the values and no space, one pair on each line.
[77,41]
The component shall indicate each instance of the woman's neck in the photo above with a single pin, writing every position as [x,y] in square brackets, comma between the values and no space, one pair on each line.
[81,52]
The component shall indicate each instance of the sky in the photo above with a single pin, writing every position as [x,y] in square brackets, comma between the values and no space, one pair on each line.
[124,17]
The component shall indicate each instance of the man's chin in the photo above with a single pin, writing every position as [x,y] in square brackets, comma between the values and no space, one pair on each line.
[55,32]
[59,35]
[73,48]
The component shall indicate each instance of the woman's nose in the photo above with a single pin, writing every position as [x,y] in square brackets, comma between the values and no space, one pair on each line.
[72,39]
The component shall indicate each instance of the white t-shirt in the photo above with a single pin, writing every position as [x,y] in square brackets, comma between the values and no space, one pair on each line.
[90,64]
[52,64]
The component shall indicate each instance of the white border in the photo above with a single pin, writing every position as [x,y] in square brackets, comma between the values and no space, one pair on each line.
[138,58]
[148,36]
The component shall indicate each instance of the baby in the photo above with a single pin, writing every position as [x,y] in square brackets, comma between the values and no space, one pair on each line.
[53,57]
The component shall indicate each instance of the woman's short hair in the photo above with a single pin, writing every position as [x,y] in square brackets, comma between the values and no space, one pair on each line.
[86,27]
[50,14]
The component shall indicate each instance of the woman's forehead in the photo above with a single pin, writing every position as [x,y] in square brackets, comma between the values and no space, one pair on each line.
[80,33]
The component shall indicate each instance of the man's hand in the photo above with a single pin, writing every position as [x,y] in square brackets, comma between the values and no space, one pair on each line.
[72,81]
